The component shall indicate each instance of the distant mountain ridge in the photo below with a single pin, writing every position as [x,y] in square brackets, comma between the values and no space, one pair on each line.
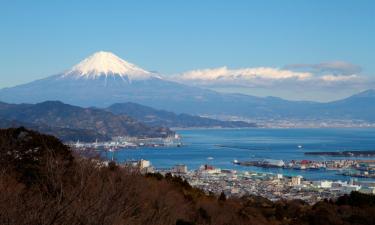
[104,79]
[360,106]
[57,115]
[154,117]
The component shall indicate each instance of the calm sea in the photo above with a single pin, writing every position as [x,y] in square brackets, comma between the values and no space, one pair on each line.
[219,147]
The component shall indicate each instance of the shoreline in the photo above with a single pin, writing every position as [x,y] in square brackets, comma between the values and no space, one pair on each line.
[264,128]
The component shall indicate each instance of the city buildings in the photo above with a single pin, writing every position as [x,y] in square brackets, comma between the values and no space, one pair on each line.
[271,186]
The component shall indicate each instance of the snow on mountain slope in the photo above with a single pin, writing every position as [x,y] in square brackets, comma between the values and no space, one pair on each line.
[104,79]
[107,64]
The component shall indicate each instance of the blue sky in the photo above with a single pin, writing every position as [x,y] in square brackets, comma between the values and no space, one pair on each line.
[41,38]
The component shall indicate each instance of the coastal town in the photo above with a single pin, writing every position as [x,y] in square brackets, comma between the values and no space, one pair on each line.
[127,143]
[271,186]
[360,168]
[233,183]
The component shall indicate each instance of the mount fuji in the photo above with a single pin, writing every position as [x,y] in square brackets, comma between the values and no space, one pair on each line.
[106,64]
[104,79]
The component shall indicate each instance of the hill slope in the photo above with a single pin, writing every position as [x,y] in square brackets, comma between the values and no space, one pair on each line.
[64,134]
[56,114]
[154,117]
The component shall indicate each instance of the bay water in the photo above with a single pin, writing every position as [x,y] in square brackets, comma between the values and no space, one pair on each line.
[219,147]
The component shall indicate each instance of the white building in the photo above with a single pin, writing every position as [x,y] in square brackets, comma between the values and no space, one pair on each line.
[144,164]
[296,180]
[180,168]
[322,183]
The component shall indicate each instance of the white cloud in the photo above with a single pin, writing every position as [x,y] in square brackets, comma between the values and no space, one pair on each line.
[338,78]
[299,81]
[223,73]
[270,78]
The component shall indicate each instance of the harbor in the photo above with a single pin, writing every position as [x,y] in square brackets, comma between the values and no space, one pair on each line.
[346,167]
[220,147]
[118,143]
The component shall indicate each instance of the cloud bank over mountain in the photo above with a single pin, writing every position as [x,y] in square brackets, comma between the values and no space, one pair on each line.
[326,81]
[332,75]
[223,73]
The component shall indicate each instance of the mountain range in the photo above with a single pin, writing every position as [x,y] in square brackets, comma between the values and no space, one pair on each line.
[72,122]
[154,117]
[104,79]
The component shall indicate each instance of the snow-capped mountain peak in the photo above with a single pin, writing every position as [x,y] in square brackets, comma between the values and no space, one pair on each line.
[107,64]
